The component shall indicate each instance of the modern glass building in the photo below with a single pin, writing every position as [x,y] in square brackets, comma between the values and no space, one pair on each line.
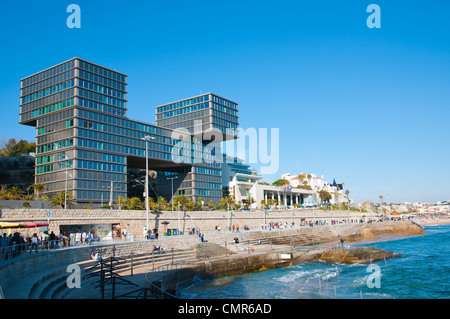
[87,145]
[206,113]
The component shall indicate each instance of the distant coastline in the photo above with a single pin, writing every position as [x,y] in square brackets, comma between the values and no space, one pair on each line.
[432,221]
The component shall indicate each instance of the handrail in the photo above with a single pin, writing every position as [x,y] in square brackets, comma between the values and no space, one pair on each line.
[13,250]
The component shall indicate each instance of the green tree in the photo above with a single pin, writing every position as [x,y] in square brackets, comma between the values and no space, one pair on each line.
[251,200]
[3,192]
[120,201]
[211,205]
[200,201]
[59,199]
[263,203]
[151,203]
[15,148]
[163,202]
[180,201]
[133,203]
[191,206]
[38,188]
[228,201]
[15,192]
[324,196]
[280,182]
[347,192]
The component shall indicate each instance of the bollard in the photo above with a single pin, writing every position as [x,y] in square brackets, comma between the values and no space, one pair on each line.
[131,254]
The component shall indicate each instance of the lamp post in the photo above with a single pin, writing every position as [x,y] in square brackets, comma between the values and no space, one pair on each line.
[65,191]
[65,187]
[146,138]
[172,178]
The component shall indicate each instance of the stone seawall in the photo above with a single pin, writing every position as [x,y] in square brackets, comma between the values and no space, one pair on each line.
[206,221]
[40,263]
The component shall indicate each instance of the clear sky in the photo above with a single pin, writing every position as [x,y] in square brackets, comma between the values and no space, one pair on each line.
[368,107]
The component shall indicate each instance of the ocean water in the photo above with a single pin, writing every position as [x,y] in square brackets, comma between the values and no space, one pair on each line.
[422,272]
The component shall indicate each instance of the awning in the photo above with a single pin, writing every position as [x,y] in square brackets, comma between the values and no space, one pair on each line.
[21,225]
[9,225]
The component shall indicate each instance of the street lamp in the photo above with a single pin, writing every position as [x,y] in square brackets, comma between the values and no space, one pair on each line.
[172,178]
[147,138]
[65,188]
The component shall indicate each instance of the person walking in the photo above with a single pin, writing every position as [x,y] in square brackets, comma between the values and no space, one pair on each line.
[34,242]
[83,237]
[89,236]
[4,242]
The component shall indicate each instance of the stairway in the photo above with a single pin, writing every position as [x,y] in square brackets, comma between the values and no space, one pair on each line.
[52,283]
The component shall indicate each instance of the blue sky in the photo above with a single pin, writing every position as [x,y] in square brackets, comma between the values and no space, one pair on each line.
[369,107]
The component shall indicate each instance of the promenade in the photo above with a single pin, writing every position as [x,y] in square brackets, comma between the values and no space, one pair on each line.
[42,269]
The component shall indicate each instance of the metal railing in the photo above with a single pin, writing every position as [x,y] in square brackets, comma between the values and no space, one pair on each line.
[12,251]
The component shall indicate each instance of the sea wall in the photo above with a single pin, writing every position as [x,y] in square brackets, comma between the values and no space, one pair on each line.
[32,264]
[206,221]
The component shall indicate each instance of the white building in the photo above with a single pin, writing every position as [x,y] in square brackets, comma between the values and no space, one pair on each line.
[317,184]
[245,187]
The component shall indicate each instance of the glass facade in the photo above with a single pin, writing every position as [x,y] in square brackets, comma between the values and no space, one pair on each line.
[83,135]
[200,114]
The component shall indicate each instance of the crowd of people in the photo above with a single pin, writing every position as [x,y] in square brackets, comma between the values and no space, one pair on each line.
[151,234]
[14,245]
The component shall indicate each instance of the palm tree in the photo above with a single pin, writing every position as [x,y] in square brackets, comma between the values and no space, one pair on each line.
[3,192]
[60,199]
[38,188]
[191,206]
[151,203]
[163,202]
[120,201]
[251,200]
[181,201]
[15,192]
[133,203]
[211,205]
[228,201]
[347,192]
